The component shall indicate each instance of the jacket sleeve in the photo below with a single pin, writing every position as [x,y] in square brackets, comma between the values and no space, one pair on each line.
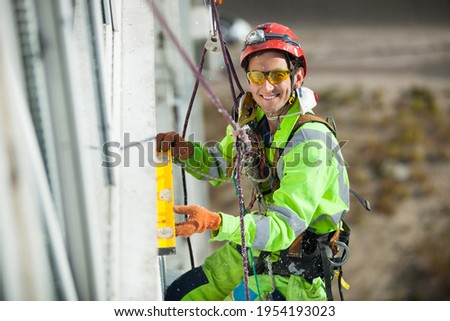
[210,163]
[308,196]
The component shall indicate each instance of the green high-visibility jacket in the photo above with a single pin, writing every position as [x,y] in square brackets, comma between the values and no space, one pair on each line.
[314,187]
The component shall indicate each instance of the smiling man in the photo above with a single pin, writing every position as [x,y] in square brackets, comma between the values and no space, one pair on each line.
[300,184]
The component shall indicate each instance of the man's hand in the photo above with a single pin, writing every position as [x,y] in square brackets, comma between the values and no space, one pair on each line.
[199,220]
[181,148]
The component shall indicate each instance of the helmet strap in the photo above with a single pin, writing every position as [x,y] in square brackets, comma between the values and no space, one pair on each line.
[289,103]
[293,69]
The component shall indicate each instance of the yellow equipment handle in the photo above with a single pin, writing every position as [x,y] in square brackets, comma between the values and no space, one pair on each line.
[164,200]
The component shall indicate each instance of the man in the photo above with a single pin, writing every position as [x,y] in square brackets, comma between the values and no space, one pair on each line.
[300,181]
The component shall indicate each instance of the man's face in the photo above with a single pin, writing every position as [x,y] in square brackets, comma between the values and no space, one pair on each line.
[272,97]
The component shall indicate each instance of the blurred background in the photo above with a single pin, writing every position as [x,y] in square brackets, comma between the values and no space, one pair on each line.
[382,71]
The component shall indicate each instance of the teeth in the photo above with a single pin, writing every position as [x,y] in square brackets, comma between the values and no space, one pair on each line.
[269,97]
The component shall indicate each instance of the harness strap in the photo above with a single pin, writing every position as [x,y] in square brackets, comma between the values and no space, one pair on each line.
[334,239]
[303,119]
[296,247]
[326,271]
[307,118]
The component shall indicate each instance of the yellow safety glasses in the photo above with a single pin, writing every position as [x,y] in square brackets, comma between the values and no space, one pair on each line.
[274,76]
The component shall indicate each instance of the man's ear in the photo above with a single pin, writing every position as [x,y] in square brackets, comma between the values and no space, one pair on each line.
[298,78]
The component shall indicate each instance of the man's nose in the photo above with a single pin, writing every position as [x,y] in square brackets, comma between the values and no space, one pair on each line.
[268,85]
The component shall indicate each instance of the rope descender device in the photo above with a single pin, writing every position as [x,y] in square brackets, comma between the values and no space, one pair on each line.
[164,199]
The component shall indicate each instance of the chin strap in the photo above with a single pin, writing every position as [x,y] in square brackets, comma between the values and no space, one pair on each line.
[283,110]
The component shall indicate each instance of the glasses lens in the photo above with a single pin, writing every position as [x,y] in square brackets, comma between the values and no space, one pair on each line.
[277,76]
[256,77]
[274,76]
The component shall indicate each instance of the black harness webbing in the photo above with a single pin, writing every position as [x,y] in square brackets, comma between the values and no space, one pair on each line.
[326,271]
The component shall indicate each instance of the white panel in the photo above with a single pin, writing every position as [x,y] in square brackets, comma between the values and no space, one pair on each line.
[138,256]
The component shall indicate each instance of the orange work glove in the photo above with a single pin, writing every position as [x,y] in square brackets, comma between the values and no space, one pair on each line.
[181,148]
[199,220]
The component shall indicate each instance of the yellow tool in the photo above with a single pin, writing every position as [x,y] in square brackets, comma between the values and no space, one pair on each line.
[164,200]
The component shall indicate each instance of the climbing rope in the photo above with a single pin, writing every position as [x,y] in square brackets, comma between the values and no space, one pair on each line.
[226,56]
[215,100]
[241,143]
[185,125]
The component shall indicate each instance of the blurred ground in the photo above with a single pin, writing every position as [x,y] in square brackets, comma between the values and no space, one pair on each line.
[382,70]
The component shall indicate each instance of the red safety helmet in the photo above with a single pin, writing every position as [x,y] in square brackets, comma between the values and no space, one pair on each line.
[272,36]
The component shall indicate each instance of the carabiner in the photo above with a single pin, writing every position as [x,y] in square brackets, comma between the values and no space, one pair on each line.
[341,260]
